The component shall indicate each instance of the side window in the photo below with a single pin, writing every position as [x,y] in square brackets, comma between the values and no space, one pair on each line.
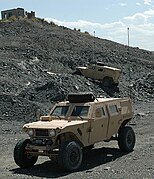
[80,111]
[113,109]
[60,111]
[99,112]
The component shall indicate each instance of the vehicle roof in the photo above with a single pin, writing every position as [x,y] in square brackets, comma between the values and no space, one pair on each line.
[112,68]
[107,67]
[97,100]
[106,99]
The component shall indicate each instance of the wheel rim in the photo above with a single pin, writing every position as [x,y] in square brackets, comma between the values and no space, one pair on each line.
[28,156]
[74,157]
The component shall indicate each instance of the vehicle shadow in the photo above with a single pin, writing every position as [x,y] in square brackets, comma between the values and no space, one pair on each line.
[91,158]
[111,91]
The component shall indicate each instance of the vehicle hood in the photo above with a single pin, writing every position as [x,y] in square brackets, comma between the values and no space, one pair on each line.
[52,124]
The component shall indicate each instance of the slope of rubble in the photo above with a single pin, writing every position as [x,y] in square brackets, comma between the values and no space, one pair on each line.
[37,59]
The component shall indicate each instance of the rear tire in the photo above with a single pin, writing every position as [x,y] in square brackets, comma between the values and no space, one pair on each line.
[70,156]
[126,139]
[77,72]
[22,159]
[107,81]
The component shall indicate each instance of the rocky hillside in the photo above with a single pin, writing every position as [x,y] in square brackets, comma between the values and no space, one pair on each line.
[37,60]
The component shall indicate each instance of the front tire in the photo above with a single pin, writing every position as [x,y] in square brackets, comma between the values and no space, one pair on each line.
[90,147]
[21,158]
[126,139]
[70,156]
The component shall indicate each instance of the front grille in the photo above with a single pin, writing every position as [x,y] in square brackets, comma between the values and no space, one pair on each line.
[41,133]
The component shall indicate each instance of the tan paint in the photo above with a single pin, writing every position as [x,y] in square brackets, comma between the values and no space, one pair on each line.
[98,72]
[53,124]
[98,125]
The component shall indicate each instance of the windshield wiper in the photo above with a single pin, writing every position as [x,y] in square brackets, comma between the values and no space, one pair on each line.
[80,117]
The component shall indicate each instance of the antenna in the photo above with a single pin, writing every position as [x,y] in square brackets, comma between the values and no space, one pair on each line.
[128,38]
[129,65]
[93,46]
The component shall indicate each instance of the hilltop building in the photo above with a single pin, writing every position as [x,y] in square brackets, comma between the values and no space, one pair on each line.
[19,12]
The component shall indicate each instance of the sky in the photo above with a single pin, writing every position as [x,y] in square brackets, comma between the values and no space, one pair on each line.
[109,19]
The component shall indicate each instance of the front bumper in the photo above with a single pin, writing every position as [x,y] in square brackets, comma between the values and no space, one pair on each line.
[42,147]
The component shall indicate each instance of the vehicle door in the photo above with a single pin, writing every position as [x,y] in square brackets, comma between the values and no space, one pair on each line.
[98,124]
[91,71]
[115,118]
[81,112]
[99,73]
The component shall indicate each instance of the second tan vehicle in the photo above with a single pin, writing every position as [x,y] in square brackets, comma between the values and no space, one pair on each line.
[74,125]
[98,71]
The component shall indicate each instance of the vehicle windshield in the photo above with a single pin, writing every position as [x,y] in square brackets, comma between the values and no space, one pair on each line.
[60,111]
[81,111]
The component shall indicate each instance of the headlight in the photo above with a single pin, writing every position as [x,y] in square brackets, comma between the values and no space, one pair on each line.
[52,133]
[30,132]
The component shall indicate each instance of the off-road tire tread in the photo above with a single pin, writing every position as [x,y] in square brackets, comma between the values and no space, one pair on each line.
[64,149]
[122,142]
[20,157]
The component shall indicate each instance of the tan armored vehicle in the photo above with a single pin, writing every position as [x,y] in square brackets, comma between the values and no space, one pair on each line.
[74,125]
[98,71]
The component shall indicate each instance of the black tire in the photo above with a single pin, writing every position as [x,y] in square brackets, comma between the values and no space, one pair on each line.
[126,139]
[90,147]
[22,159]
[77,72]
[107,81]
[70,156]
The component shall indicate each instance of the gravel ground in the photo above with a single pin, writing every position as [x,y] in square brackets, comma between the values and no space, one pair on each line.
[37,61]
[104,161]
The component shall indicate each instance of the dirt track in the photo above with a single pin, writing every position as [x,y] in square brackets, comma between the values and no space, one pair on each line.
[104,161]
